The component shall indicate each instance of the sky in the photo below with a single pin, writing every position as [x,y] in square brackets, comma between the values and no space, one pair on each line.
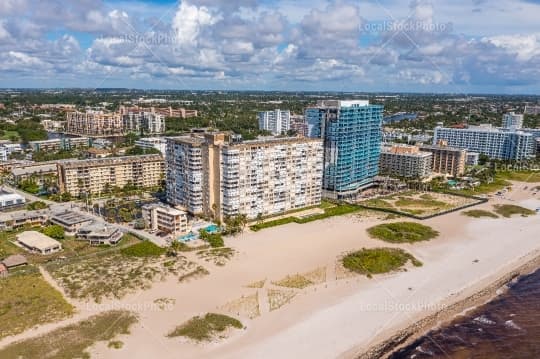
[460,46]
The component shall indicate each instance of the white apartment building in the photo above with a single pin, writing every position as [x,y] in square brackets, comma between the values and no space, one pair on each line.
[210,174]
[405,161]
[99,175]
[277,122]
[504,144]
[143,121]
[512,120]
[159,143]
[166,219]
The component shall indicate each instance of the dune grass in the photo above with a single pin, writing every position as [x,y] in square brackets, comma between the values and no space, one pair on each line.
[402,232]
[205,328]
[479,213]
[378,260]
[294,281]
[509,210]
[28,300]
[73,340]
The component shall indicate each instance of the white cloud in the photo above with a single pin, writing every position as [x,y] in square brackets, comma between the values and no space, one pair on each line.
[189,22]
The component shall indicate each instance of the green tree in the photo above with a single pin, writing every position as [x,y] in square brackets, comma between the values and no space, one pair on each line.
[54,231]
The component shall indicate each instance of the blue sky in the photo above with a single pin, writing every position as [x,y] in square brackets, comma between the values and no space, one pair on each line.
[466,46]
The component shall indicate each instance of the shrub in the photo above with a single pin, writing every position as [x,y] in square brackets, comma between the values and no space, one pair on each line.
[143,249]
[54,231]
[378,260]
[508,210]
[205,328]
[402,232]
[479,213]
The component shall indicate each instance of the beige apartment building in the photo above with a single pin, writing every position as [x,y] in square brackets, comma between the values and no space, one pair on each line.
[99,175]
[447,160]
[405,161]
[94,124]
[166,219]
[219,175]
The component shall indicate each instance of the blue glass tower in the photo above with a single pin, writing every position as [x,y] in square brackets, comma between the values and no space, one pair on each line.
[352,143]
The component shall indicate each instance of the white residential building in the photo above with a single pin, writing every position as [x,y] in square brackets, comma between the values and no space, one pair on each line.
[163,218]
[512,121]
[159,143]
[143,121]
[504,144]
[278,122]
[10,200]
[213,175]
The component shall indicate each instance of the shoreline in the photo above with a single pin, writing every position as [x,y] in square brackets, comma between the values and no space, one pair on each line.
[479,297]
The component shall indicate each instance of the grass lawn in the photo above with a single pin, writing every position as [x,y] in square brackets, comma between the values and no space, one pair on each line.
[509,210]
[205,328]
[378,260]
[402,232]
[523,176]
[479,213]
[73,340]
[72,248]
[28,300]
[329,211]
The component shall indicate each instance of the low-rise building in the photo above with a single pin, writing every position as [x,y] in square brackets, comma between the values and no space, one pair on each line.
[64,144]
[97,153]
[37,242]
[70,221]
[14,261]
[166,219]
[95,176]
[10,200]
[36,170]
[405,161]
[98,233]
[15,220]
[3,271]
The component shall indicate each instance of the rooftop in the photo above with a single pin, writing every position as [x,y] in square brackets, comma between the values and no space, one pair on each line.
[111,161]
[37,240]
[70,218]
[14,260]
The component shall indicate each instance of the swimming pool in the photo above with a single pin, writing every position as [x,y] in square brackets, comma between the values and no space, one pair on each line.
[212,229]
[188,237]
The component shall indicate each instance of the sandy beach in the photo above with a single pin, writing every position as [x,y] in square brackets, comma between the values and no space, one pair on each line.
[342,316]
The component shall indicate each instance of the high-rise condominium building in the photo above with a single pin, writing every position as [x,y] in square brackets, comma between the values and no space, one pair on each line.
[351,131]
[277,122]
[405,161]
[142,120]
[94,124]
[299,125]
[512,120]
[503,144]
[447,160]
[215,175]
[100,175]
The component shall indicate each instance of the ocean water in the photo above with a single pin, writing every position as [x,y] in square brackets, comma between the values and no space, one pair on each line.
[507,327]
